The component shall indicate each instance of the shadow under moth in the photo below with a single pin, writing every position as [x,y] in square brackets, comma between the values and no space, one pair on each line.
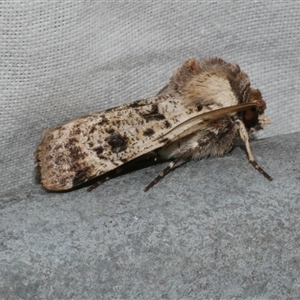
[207,104]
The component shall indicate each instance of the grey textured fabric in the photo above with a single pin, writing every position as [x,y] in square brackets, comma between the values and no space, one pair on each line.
[221,232]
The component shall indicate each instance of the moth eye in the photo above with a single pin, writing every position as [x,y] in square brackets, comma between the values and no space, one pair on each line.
[250,118]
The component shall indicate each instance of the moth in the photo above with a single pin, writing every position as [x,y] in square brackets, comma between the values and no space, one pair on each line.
[207,104]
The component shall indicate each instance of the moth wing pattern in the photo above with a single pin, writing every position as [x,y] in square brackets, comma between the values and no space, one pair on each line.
[90,146]
[199,113]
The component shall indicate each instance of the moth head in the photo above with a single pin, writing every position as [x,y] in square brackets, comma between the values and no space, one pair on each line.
[254,118]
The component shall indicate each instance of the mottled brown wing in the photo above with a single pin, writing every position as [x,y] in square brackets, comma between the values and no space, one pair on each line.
[92,145]
[87,147]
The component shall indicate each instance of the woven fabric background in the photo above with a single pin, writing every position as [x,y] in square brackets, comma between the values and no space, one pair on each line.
[63,59]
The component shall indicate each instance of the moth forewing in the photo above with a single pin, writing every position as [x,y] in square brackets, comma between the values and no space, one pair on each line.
[90,146]
[202,110]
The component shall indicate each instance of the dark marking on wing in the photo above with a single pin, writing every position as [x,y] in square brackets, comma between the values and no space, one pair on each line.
[93,129]
[75,151]
[91,144]
[103,121]
[75,132]
[110,130]
[154,114]
[80,176]
[117,142]
[148,132]
[98,150]
[134,104]
[199,107]
[71,142]
[123,160]
[167,124]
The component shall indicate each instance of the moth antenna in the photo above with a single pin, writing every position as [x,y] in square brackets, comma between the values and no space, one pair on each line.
[197,122]
[245,137]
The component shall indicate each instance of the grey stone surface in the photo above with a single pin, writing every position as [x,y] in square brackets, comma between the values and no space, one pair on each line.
[212,229]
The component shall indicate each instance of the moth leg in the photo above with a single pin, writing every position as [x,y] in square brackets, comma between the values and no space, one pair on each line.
[139,163]
[184,157]
[245,137]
